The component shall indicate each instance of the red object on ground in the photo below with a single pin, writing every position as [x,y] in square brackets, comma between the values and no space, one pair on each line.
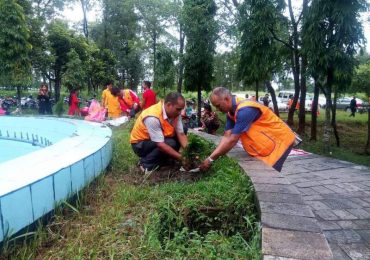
[84,111]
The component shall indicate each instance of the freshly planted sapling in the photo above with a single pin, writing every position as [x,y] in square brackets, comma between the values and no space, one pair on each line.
[196,151]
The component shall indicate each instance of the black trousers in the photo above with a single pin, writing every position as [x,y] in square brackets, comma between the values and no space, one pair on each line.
[150,155]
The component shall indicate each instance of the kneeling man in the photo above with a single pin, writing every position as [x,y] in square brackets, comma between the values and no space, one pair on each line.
[158,132]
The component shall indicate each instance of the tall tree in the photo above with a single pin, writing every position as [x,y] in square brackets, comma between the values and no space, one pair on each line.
[166,69]
[332,34]
[361,83]
[259,58]
[155,16]
[200,29]
[15,66]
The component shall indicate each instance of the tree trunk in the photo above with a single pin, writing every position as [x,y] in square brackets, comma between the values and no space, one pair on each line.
[84,10]
[314,111]
[181,59]
[302,108]
[18,97]
[154,56]
[295,64]
[367,148]
[333,119]
[58,81]
[199,105]
[257,85]
[273,97]
[327,128]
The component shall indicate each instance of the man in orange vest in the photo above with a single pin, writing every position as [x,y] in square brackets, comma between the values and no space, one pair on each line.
[263,134]
[158,132]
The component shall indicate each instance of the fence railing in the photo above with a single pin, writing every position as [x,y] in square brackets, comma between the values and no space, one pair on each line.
[25,137]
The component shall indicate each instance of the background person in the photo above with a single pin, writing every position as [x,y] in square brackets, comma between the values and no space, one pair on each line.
[158,132]
[353,106]
[149,97]
[263,134]
[112,103]
[44,100]
[73,102]
[209,120]
[106,93]
[129,101]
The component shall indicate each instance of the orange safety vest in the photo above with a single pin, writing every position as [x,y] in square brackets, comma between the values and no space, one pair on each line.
[127,98]
[268,138]
[140,132]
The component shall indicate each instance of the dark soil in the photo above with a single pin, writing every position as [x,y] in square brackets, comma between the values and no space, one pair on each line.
[164,174]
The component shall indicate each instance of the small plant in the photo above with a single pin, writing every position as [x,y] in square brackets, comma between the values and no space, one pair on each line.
[59,107]
[197,150]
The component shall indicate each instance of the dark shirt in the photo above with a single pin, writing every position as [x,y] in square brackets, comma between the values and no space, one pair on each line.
[244,118]
[353,105]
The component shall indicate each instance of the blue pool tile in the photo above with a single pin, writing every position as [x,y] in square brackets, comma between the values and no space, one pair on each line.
[62,184]
[98,167]
[16,210]
[42,197]
[89,168]
[1,227]
[77,176]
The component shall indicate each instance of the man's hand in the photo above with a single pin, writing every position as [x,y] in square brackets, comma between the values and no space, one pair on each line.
[205,165]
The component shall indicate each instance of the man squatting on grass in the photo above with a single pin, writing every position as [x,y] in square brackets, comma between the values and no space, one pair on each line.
[263,134]
[158,132]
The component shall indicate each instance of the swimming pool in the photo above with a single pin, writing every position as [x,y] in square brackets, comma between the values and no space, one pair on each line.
[43,161]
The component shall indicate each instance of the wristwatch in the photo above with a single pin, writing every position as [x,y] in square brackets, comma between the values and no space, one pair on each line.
[210,159]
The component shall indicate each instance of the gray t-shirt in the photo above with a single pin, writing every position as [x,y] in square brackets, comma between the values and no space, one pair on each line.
[155,129]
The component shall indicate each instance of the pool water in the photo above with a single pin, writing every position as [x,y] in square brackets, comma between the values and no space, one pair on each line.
[13,149]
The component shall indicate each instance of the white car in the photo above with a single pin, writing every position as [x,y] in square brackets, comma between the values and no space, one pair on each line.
[282,107]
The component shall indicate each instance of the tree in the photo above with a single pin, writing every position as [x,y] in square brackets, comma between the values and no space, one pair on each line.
[361,82]
[155,15]
[60,42]
[118,32]
[332,32]
[15,66]
[226,69]
[259,58]
[166,69]
[75,73]
[201,31]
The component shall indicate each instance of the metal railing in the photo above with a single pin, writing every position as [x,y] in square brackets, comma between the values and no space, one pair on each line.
[32,139]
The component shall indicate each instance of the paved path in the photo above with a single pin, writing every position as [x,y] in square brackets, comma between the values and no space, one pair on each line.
[316,208]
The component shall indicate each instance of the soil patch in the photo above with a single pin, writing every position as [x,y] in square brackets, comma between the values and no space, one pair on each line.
[162,175]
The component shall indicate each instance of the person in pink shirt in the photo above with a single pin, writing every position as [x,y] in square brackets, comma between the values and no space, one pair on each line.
[149,97]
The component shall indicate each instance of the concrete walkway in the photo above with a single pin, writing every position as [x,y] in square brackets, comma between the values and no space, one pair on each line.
[316,208]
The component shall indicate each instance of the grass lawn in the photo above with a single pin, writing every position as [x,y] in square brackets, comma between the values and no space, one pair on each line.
[122,215]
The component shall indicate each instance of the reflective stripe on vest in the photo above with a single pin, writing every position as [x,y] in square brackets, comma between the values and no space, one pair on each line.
[268,138]
[140,132]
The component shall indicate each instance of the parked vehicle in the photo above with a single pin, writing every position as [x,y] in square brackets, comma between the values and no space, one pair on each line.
[343,103]
[282,107]
[285,95]
[29,102]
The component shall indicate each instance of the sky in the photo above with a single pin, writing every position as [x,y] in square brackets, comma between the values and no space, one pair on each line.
[74,14]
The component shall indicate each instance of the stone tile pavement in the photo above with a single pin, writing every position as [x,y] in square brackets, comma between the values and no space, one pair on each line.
[316,208]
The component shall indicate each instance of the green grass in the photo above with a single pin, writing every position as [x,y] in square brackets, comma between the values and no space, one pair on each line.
[213,218]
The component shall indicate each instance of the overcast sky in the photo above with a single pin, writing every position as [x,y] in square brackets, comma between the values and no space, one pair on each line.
[74,14]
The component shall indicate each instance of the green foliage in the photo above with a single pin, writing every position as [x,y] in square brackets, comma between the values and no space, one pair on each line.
[15,66]
[165,69]
[226,69]
[59,108]
[201,31]
[259,57]
[75,75]
[361,79]
[197,150]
